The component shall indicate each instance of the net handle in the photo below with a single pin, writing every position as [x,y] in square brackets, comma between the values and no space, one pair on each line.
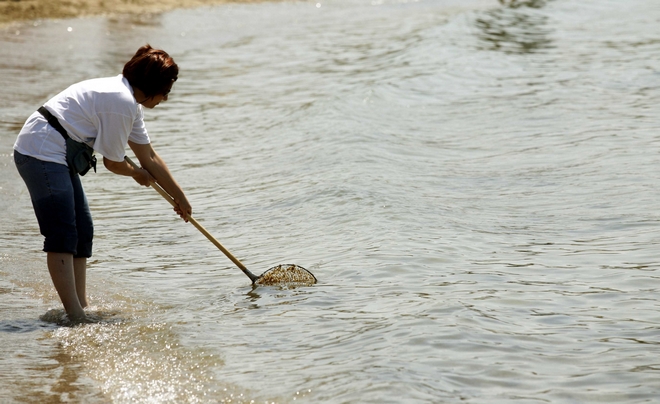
[199,227]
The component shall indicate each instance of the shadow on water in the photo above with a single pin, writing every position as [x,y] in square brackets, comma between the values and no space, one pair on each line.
[55,318]
[23,326]
[67,382]
[515,28]
[42,370]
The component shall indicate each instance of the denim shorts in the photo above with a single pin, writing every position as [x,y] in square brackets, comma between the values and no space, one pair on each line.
[60,205]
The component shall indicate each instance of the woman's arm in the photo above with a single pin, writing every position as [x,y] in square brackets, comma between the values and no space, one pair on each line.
[156,167]
[140,175]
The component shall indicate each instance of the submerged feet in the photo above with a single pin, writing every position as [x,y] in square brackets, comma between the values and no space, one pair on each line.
[59,317]
[85,319]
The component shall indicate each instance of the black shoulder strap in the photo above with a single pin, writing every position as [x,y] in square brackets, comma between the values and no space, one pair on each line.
[53,121]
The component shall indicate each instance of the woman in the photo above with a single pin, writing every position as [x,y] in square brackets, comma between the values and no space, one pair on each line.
[105,114]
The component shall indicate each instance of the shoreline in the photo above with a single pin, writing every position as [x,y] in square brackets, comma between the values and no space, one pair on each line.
[17,11]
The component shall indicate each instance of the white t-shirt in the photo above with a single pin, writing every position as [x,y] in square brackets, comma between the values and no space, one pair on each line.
[100,112]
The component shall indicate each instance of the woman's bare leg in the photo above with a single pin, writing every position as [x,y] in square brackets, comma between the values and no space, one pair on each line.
[80,273]
[60,266]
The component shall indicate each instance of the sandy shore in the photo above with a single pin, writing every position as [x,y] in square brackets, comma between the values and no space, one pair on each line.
[21,10]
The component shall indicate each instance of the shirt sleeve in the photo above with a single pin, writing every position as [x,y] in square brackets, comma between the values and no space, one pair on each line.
[115,129]
[139,133]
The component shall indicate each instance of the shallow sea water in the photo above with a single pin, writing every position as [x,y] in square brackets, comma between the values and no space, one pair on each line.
[474,185]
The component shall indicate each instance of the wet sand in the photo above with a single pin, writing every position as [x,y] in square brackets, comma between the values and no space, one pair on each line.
[21,10]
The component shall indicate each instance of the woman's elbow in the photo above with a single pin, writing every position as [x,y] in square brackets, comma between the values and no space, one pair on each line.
[112,166]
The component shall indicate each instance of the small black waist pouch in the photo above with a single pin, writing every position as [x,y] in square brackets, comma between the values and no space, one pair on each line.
[79,157]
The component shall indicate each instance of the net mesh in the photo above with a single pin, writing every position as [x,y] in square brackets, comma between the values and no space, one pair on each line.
[286,274]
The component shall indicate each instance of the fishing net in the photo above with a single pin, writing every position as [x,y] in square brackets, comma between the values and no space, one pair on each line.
[286,274]
[291,275]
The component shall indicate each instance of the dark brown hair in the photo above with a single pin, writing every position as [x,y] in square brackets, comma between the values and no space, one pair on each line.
[151,70]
